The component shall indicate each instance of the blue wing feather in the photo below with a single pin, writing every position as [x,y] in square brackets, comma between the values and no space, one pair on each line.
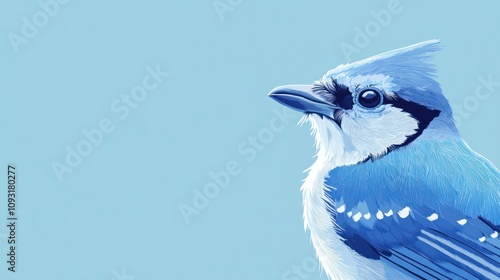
[452,230]
[427,249]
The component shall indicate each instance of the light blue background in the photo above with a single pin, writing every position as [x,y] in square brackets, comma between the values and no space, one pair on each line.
[119,208]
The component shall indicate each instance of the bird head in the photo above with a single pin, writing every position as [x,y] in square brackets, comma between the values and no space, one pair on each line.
[374,106]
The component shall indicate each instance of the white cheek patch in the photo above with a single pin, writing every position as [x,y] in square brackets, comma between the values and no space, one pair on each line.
[373,133]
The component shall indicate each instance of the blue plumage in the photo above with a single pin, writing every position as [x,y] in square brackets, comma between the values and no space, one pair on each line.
[395,189]
[427,173]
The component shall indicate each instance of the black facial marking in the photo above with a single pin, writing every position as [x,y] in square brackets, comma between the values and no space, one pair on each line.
[422,114]
[335,93]
[343,97]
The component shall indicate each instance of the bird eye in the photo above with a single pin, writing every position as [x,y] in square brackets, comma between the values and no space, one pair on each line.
[370,99]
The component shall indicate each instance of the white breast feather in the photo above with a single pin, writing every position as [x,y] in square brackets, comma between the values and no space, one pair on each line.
[336,258]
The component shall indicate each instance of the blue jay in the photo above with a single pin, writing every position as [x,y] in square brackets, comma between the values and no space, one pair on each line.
[395,193]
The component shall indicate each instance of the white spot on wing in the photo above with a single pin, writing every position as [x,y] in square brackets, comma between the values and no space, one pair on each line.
[380,215]
[367,216]
[482,239]
[433,217]
[462,222]
[356,217]
[341,209]
[388,214]
[405,212]
[349,214]
[494,234]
